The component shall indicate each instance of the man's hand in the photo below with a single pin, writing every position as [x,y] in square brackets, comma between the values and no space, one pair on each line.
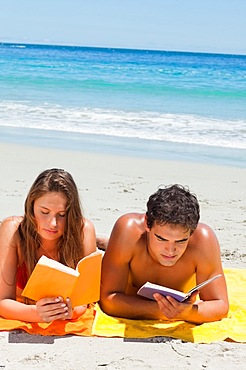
[50,309]
[173,309]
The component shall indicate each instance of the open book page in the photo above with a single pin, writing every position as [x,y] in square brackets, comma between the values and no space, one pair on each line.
[52,279]
[45,261]
[148,289]
[201,285]
[83,261]
[87,286]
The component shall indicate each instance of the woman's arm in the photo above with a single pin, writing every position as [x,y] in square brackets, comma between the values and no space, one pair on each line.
[9,307]
[47,309]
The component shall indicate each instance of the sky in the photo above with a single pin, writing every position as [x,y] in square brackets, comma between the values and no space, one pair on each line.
[182,25]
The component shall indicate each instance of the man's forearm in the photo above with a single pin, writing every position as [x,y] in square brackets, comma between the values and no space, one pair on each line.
[206,311]
[131,307]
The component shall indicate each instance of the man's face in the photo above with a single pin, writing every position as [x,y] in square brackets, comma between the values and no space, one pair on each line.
[167,243]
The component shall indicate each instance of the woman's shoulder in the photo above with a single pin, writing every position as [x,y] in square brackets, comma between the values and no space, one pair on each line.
[88,225]
[11,222]
[9,233]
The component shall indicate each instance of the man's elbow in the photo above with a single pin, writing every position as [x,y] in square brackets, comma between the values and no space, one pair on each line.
[225,310]
[106,304]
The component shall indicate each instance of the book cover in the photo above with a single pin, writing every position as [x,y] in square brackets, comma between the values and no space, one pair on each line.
[148,289]
[52,279]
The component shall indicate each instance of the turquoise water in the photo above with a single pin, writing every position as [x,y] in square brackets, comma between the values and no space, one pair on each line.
[166,104]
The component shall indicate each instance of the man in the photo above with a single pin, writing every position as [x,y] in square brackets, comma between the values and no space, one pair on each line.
[165,246]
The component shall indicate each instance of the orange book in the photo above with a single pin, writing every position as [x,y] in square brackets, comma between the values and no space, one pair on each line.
[53,279]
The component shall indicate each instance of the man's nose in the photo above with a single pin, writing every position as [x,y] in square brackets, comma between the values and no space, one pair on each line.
[170,248]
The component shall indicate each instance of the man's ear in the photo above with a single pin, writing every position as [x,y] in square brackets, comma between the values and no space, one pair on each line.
[146,223]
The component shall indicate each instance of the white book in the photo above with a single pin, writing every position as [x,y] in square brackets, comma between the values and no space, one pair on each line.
[148,289]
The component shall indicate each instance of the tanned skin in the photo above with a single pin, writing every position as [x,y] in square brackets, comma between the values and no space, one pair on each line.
[170,255]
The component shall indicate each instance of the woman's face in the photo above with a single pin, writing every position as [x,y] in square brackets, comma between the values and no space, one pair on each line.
[50,215]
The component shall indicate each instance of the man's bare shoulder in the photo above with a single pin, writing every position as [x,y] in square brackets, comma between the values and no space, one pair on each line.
[203,233]
[126,232]
[131,220]
[204,244]
[133,217]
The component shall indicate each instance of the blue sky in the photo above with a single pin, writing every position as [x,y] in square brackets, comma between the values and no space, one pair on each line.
[181,25]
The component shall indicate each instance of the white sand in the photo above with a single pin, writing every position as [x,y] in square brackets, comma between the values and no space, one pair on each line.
[110,186]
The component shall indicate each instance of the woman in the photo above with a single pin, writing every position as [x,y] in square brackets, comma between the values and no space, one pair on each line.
[53,225]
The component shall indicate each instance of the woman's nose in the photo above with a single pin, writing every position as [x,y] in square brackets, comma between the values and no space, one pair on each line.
[53,221]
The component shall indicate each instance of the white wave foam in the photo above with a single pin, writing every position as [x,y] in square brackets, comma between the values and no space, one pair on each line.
[145,125]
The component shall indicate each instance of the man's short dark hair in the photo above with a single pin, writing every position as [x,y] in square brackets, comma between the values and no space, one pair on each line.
[173,205]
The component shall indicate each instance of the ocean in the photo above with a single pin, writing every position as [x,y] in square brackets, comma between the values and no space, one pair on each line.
[157,104]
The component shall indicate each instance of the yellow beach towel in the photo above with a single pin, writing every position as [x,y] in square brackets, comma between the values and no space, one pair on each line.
[233,327]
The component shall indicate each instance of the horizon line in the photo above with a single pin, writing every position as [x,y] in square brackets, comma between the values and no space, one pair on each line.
[118,48]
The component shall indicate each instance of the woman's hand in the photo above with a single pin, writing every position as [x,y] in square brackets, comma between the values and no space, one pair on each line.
[77,311]
[50,309]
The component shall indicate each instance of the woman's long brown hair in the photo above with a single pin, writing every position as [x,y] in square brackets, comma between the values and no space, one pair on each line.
[70,245]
